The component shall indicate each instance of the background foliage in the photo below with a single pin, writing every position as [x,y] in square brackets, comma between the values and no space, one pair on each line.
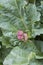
[27,16]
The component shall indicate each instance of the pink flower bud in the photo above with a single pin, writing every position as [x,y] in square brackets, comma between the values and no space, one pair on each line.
[20,35]
[20,32]
[25,36]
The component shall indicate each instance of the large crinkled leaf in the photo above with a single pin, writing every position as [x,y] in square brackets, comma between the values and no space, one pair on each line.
[38,27]
[7,26]
[8,34]
[16,57]
[29,46]
[9,42]
[42,4]
[32,13]
[37,32]
[39,45]
[34,17]
[13,11]
[20,56]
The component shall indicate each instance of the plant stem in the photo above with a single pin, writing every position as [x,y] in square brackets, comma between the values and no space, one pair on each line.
[21,17]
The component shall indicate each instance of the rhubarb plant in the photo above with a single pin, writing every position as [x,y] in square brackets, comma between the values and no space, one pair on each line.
[19,25]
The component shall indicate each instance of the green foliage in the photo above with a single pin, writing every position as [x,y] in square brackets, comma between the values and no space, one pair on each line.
[19,15]
[20,57]
[14,13]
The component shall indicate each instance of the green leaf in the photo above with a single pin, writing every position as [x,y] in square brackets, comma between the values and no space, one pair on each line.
[33,16]
[19,56]
[16,57]
[39,57]
[7,26]
[14,13]
[39,45]
[37,32]
[32,13]
[42,4]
